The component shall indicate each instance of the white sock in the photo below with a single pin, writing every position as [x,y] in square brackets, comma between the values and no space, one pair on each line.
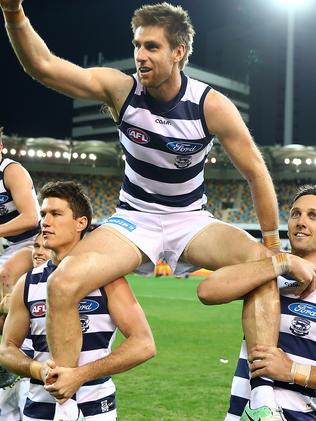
[68,411]
[262,395]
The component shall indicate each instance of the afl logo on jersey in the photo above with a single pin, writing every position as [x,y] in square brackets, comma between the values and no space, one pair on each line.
[137,135]
[38,309]
[184,148]
[3,198]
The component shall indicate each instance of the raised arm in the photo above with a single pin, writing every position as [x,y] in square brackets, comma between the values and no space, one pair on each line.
[103,84]
[137,347]
[15,330]
[224,121]
[19,183]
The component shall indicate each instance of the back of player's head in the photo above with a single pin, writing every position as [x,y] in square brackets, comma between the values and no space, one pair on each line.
[73,193]
[306,189]
[175,21]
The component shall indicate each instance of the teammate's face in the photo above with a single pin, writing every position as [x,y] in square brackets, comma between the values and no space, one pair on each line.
[61,231]
[155,60]
[302,226]
[39,253]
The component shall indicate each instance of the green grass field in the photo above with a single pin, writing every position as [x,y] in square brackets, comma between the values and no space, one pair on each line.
[198,346]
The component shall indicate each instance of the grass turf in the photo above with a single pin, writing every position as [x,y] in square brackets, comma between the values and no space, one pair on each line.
[198,346]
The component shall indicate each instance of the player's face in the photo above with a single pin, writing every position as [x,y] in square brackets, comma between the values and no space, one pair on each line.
[302,225]
[60,230]
[154,58]
[39,254]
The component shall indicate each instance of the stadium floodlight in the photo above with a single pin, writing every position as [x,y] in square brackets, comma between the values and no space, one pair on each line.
[75,155]
[57,154]
[66,155]
[39,153]
[287,161]
[4,151]
[22,152]
[83,156]
[213,160]
[92,156]
[31,153]
[12,151]
[49,154]
[309,161]
[291,5]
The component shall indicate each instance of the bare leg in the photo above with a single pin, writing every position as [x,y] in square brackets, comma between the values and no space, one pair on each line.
[221,245]
[100,258]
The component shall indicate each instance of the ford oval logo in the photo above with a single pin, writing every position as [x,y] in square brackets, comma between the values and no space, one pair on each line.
[3,198]
[305,310]
[184,148]
[87,306]
[137,135]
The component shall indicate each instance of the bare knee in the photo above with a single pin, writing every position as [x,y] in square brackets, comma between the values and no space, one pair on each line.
[62,290]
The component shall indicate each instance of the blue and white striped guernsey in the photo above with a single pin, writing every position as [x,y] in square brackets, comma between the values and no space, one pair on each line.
[8,209]
[95,397]
[298,340]
[166,145]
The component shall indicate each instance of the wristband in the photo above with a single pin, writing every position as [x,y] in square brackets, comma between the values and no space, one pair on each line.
[35,370]
[281,263]
[271,239]
[300,374]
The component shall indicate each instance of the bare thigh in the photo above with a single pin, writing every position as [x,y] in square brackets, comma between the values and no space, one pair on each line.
[101,257]
[221,244]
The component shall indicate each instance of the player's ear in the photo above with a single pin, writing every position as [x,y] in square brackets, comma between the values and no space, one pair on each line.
[82,223]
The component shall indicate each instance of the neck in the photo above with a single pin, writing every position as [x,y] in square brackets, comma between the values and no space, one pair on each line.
[310,256]
[167,89]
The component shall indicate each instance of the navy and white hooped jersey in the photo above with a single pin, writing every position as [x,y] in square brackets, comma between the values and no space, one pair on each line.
[165,145]
[298,339]
[95,397]
[8,209]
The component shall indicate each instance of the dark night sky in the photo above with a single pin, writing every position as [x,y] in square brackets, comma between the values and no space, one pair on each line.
[73,28]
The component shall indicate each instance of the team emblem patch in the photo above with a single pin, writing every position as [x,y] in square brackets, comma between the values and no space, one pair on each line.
[38,309]
[183,161]
[300,326]
[84,321]
[138,135]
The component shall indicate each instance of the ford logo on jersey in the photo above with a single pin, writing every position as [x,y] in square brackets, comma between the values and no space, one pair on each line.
[307,310]
[86,306]
[184,148]
[137,135]
[3,198]
[38,309]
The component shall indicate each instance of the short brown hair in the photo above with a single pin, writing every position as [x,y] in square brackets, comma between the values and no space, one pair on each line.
[73,193]
[174,19]
[306,189]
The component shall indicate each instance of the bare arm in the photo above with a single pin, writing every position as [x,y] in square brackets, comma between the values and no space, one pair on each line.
[137,347]
[224,120]
[11,357]
[19,183]
[234,282]
[103,84]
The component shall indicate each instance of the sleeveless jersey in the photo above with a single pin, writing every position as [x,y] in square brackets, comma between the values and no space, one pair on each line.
[8,209]
[165,145]
[94,397]
[298,339]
